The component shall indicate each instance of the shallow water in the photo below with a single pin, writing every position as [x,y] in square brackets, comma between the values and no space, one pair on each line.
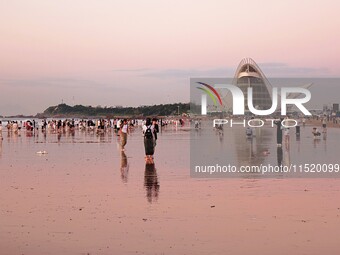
[86,197]
[230,146]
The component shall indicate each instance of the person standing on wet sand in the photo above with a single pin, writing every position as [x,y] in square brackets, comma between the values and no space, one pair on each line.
[156,129]
[324,125]
[123,133]
[278,124]
[149,140]
[297,127]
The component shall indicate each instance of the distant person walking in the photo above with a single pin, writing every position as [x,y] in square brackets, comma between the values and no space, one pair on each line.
[286,133]
[278,124]
[123,133]
[249,132]
[196,124]
[297,127]
[149,141]
[156,129]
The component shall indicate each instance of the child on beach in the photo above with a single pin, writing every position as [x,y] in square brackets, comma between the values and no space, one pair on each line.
[316,133]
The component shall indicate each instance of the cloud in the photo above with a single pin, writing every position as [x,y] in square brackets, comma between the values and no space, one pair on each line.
[188,73]
[63,83]
[270,69]
[131,70]
[275,69]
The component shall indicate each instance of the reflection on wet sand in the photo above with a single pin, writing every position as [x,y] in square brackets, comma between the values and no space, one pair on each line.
[59,136]
[279,156]
[85,197]
[151,183]
[316,142]
[239,149]
[287,154]
[253,150]
[324,136]
[124,167]
[0,146]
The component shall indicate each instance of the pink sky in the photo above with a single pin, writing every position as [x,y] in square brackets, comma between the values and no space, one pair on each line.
[53,50]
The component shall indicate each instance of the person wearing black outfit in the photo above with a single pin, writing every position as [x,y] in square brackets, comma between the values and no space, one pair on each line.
[278,124]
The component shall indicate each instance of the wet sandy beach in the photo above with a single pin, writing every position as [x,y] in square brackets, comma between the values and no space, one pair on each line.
[86,197]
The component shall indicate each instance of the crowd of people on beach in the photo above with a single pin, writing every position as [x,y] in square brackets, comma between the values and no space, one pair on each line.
[283,132]
[120,126]
[150,128]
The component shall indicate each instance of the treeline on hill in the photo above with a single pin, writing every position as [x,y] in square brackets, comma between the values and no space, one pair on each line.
[83,111]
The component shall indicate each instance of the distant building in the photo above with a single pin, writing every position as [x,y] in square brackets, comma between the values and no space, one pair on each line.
[249,74]
[335,107]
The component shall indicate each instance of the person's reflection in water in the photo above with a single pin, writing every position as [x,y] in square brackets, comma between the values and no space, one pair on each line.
[221,135]
[316,142]
[151,183]
[124,167]
[279,156]
[101,137]
[59,136]
[287,155]
[297,137]
[324,136]
[251,148]
[45,134]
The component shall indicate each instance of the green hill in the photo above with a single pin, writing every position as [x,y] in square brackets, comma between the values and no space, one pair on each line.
[64,110]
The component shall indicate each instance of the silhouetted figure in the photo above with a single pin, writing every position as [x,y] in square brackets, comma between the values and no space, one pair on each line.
[278,124]
[249,132]
[297,128]
[149,141]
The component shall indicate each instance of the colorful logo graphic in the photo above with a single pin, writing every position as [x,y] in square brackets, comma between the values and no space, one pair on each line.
[211,92]
[279,101]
